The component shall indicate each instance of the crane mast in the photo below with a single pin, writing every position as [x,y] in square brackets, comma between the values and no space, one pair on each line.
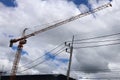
[17,56]
[22,40]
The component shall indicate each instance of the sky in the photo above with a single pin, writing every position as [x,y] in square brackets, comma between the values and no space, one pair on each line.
[41,50]
[9,3]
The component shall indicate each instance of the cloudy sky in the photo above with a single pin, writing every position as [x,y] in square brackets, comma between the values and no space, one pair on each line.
[40,53]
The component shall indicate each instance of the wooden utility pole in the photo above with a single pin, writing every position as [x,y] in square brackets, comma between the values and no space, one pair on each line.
[1,72]
[70,58]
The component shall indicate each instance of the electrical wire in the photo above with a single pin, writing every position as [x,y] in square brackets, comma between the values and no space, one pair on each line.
[97,41]
[57,53]
[100,70]
[102,78]
[87,46]
[63,50]
[96,46]
[109,35]
[38,63]
[40,56]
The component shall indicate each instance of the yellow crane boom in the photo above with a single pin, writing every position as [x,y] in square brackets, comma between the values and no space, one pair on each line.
[22,40]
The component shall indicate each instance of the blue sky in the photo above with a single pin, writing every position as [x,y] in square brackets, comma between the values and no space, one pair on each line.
[51,56]
[26,13]
[85,2]
[9,3]
[12,3]
[15,49]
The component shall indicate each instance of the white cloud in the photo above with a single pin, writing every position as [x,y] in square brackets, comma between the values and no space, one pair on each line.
[30,13]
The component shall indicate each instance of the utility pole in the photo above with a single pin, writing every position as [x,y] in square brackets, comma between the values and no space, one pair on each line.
[1,72]
[70,58]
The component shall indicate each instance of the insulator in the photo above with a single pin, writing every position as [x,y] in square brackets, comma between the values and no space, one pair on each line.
[66,49]
[69,44]
[65,43]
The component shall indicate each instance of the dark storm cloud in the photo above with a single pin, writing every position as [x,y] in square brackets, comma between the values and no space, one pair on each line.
[89,61]
[95,60]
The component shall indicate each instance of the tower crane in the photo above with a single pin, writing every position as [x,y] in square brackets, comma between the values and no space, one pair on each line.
[18,56]
[22,40]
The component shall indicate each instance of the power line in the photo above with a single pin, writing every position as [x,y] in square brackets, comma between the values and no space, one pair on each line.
[102,78]
[109,35]
[84,46]
[39,63]
[96,46]
[77,48]
[41,56]
[97,41]
[57,53]
[99,70]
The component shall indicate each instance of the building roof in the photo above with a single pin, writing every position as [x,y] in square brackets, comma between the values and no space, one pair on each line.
[38,77]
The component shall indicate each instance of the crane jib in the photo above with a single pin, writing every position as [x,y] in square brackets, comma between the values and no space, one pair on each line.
[62,22]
